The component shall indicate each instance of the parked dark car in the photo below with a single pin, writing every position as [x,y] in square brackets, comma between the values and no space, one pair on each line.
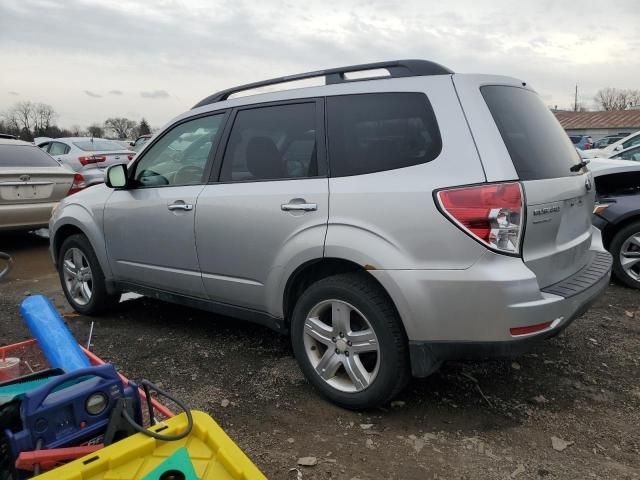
[617,215]
[608,140]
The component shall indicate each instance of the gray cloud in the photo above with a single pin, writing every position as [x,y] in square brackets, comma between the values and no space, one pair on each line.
[13,93]
[115,92]
[92,94]
[155,94]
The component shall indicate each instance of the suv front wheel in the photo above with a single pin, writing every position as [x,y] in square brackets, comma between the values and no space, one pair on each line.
[82,278]
[349,342]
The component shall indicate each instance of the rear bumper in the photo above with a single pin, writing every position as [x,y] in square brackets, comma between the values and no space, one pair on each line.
[456,314]
[23,216]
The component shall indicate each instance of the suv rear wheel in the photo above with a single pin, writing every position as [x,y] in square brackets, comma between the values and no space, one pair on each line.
[348,340]
[625,248]
[82,278]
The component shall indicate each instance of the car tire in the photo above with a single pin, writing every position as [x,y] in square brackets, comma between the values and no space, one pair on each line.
[82,278]
[354,316]
[623,248]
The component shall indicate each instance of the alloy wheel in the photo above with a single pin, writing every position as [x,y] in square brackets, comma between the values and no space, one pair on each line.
[630,256]
[341,345]
[77,276]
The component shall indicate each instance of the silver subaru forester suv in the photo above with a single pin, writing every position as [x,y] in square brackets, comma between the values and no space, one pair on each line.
[386,223]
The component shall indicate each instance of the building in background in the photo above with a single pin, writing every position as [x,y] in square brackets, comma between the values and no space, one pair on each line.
[599,124]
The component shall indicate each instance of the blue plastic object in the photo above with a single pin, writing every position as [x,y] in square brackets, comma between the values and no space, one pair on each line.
[62,412]
[53,336]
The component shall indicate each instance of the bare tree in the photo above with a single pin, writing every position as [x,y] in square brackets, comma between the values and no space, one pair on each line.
[77,131]
[96,130]
[617,99]
[121,127]
[44,116]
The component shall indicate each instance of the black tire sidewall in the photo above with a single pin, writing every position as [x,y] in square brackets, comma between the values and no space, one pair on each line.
[392,371]
[614,248]
[101,300]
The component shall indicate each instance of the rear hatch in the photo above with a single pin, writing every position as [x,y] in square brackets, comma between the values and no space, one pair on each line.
[558,193]
[29,175]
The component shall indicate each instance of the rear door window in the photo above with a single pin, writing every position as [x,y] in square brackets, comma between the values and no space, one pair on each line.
[25,156]
[272,143]
[537,144]
[380,131]
[57,148]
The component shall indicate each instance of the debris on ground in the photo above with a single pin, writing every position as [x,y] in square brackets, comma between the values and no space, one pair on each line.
[307,461]
[559,444]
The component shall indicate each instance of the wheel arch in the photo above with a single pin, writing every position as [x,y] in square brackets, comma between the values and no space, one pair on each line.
[315,270]
[612,228]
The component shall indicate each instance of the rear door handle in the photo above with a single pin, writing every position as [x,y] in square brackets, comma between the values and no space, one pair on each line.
[305,207]
[187,207]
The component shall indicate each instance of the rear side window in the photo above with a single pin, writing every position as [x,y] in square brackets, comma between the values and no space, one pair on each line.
[537,144]
[630,143]
[271,143]
[380,131]
[25,156]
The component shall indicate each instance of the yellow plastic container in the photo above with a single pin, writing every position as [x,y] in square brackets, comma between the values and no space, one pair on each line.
[212,452]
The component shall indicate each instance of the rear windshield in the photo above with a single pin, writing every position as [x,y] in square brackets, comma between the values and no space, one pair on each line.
[537,144]
[25,156]
[98,146]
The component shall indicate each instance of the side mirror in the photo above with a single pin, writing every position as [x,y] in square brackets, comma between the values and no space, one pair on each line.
[132,143]
[116,176]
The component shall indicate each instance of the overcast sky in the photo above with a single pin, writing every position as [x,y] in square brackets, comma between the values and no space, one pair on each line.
[94,59]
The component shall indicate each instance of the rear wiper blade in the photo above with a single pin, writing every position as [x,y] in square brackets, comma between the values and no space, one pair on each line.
[579,166]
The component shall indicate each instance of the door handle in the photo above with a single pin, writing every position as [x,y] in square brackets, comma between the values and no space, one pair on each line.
[187,207]
[304,207]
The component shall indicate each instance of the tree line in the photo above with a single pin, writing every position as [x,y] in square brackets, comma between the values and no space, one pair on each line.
[611,99]
[28,120]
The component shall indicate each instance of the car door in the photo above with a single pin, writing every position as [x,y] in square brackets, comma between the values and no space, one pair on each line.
[267,207]
[149,227]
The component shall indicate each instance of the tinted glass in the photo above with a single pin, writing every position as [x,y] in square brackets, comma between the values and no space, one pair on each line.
[631,142]
[271,143]
[537,144]
[180,156]
[631,154]
[575,139]
[58,148]
[380,131]
[98,146]
[25,156]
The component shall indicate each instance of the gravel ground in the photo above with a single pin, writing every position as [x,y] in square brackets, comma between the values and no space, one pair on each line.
[490,420]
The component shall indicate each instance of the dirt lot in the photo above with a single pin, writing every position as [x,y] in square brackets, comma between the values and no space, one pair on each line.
[493,419]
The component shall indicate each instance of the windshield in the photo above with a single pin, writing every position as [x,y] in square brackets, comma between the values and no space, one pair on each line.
[98,145]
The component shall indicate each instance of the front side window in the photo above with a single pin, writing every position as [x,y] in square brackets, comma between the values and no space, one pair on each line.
[632,154]
[631,142]
[180,156]
[380,131]
[270,143]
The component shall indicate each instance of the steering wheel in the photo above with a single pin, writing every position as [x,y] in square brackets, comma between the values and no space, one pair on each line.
[188,174]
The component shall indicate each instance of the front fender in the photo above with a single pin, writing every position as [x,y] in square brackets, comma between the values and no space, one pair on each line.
[88,222]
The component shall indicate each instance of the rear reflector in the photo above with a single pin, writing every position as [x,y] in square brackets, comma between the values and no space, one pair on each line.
[530,328]
[78,184]
[92,159]
[492,213]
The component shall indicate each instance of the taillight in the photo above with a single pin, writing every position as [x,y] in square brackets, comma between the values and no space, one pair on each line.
[92,159]
[78,184]
[587,146]
[492,214]
[130,156]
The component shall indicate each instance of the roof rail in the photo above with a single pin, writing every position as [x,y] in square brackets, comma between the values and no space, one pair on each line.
[396,68]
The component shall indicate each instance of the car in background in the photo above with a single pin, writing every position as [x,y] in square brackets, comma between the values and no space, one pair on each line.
[632,154]
[622,144]
[87,155]
[31,184]
[583,142]
[608,140]
[8,136]
[617,215]
[139,142]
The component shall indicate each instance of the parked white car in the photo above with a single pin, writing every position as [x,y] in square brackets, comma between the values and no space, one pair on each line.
[87,155]
[610,150]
